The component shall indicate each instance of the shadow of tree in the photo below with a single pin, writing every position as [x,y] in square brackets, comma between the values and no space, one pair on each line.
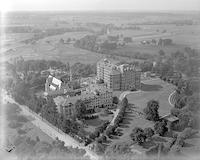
[114,137]
[148,144]
[158,139]
[194,136]
[123,125]
[188,145]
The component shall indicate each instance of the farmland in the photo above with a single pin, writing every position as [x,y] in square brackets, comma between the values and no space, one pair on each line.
[150,26]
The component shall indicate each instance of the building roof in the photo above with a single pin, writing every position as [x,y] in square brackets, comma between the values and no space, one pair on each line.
[99,87]
[114,72]
[64,100]
[117,66]
[54,82]
[170,118]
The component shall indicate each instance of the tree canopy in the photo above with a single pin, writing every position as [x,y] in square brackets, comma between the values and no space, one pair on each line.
[151,110]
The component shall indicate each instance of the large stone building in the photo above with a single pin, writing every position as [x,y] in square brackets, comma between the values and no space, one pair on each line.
[118,76]
[95,96]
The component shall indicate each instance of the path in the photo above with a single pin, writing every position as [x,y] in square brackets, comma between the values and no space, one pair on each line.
[171,98]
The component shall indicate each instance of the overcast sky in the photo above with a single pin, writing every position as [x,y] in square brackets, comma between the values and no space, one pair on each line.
[109,5]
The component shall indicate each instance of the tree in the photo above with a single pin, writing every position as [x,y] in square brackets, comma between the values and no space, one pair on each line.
[124,102]
[148,132]
[151,111]
[181,102]
[115,100]
[65,126]
[80,109]
[138,135]
[110,130]
[160,128]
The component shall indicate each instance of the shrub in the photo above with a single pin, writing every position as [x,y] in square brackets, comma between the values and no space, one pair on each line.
[160,128]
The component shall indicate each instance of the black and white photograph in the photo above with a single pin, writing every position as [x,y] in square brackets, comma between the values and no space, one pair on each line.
[100,80]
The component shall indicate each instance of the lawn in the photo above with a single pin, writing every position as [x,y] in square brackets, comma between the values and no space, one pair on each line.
[151,89]
[94,123]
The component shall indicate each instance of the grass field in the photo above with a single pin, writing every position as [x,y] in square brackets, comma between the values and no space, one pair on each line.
[151,89]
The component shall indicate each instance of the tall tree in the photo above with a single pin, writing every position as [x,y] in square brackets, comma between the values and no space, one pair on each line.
[151,111]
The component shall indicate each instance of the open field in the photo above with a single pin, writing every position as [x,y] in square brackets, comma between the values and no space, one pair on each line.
[66,53]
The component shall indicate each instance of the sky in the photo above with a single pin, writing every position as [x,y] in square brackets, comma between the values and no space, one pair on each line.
[100,5]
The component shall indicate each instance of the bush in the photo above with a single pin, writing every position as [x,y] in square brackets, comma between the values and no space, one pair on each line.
[138,135]
[148,132]
[160,128]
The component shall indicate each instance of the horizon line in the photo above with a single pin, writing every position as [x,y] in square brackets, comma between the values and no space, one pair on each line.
[93,10]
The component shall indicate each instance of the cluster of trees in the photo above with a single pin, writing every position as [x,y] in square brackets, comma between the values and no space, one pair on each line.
[80,109]
[68,126]
[99,130]
[130,54]
[164,69]
[174,145]
[83,70]
[123,106]
[140,136]
[111,128]
[89,42]
[39,34]
[186,62]
[146,66]
[186,106]
[160,127]
[164,42]
[22,93]
[24,66]
[180,139]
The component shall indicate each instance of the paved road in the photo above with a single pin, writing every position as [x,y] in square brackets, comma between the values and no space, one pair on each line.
[115,115]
